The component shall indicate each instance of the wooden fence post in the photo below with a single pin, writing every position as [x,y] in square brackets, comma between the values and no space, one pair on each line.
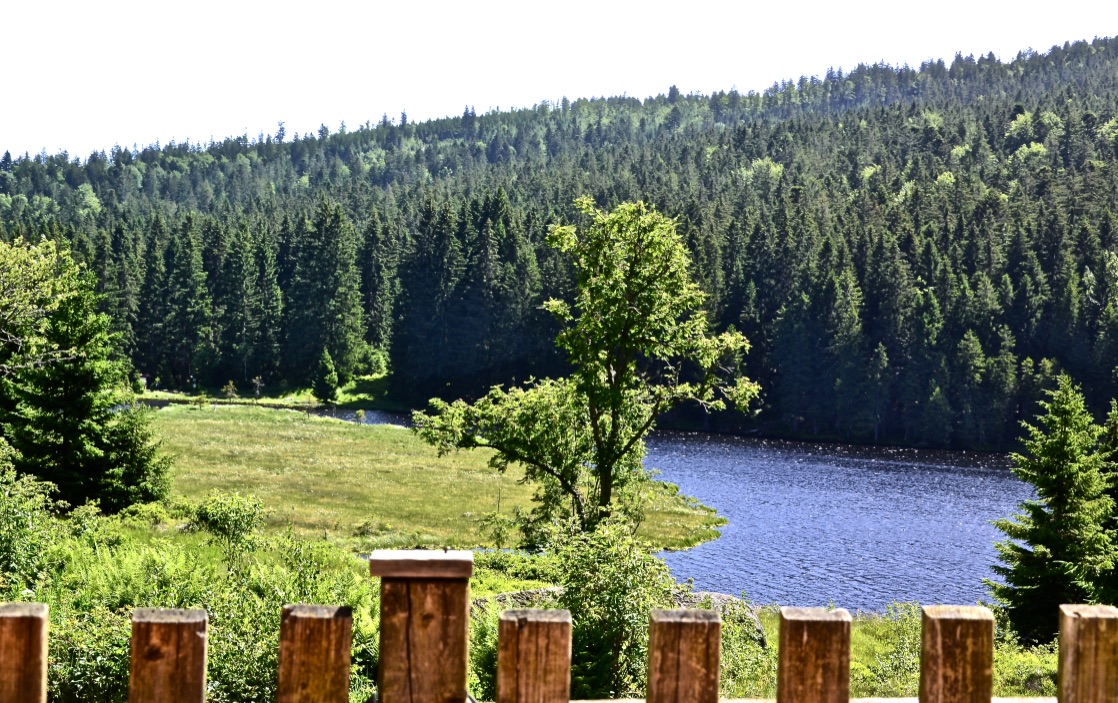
[23,653]
[814,659]
[314,654]
[168,656]
[957,654]
[684,650]
[424,623]
[1088,670]
[534,656]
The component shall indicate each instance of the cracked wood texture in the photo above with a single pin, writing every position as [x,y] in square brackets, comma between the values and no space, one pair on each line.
[314,654]
[1088,670]
[534,656]
[814,663]
[423,638]
[168,656]
[23,653]
[684,650]
[957,654]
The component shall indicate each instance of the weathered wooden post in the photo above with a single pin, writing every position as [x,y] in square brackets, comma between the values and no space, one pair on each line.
[23,653]
[814,663]
[424,621]
[534,656]
[957,654]
[684,653]
[1088,670]
[168,656]
[314,654]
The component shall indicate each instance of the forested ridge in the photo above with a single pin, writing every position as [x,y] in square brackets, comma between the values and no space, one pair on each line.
[913,253]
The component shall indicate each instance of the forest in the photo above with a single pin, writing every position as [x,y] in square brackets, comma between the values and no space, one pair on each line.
[915,254]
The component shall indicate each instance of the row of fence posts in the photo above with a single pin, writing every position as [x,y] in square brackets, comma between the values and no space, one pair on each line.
[424,631]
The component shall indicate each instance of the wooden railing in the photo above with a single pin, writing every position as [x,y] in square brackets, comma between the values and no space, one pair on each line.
[424,621]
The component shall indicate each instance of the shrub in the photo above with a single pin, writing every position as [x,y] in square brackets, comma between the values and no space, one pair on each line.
[610,584]
[26,527]
[748,664]
[232,520]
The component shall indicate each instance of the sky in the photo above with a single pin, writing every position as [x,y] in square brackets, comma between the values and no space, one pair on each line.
[85,76]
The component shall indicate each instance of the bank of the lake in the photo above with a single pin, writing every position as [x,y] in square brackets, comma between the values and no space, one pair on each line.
[366,486]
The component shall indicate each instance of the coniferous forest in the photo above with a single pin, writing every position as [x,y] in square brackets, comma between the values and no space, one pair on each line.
[914,253]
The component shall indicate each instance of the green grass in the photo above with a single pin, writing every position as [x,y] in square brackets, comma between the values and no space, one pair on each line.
[366,486]
[364,392]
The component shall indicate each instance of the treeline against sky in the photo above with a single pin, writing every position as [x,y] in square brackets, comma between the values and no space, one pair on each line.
[914,253]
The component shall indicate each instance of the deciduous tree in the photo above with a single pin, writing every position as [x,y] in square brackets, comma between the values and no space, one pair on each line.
[638,342]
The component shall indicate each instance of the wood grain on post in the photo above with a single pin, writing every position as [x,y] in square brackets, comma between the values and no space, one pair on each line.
[424,624]
[314,654]
[814,660]
[168,656]
[1088,670]
[957,654]
[684,650]
[534,656]
[23,653]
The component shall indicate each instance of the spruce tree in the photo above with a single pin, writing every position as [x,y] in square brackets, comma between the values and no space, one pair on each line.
[324,305]
[1058,549]
[70,419]
[325,386]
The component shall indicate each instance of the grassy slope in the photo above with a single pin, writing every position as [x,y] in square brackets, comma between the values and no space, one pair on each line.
[365,485]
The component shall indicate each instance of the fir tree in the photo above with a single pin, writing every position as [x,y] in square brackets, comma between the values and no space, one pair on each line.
[1058,549]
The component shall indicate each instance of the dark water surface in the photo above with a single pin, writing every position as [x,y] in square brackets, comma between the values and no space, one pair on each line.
[813,524]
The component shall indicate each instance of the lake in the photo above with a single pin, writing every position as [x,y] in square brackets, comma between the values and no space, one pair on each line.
[812,524]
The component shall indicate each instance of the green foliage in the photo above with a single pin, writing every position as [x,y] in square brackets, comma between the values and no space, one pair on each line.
[610,584]
[749,662]
[26,528]
[894,669]
[639,344]
[103,570]
[1059,550]
[325,380]
[64,404]
[482,683]
[232,520]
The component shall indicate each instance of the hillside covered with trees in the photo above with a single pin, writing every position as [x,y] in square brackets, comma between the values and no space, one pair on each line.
[914,253]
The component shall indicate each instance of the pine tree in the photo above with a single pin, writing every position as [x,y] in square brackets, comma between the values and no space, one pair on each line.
[1058,549]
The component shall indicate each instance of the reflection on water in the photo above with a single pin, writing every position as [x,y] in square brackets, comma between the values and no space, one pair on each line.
[814,524]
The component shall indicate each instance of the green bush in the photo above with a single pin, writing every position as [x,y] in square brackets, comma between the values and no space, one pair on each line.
[748,664]
[92,598]
[232,520]
[482,682]
[610,584]
[26,528]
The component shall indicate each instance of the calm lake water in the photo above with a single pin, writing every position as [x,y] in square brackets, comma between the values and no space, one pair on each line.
[860,527]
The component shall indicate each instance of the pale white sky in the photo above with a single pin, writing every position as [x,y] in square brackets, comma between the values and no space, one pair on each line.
[83,76]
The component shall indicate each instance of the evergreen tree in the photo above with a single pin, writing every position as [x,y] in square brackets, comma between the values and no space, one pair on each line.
[1058,549]
[324,306]
[188,328]
[325,382]
[69,420]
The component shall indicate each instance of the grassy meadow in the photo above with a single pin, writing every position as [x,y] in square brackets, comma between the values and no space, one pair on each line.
[366,486]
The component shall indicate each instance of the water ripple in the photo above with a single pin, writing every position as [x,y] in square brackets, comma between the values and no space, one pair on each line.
[860,528]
